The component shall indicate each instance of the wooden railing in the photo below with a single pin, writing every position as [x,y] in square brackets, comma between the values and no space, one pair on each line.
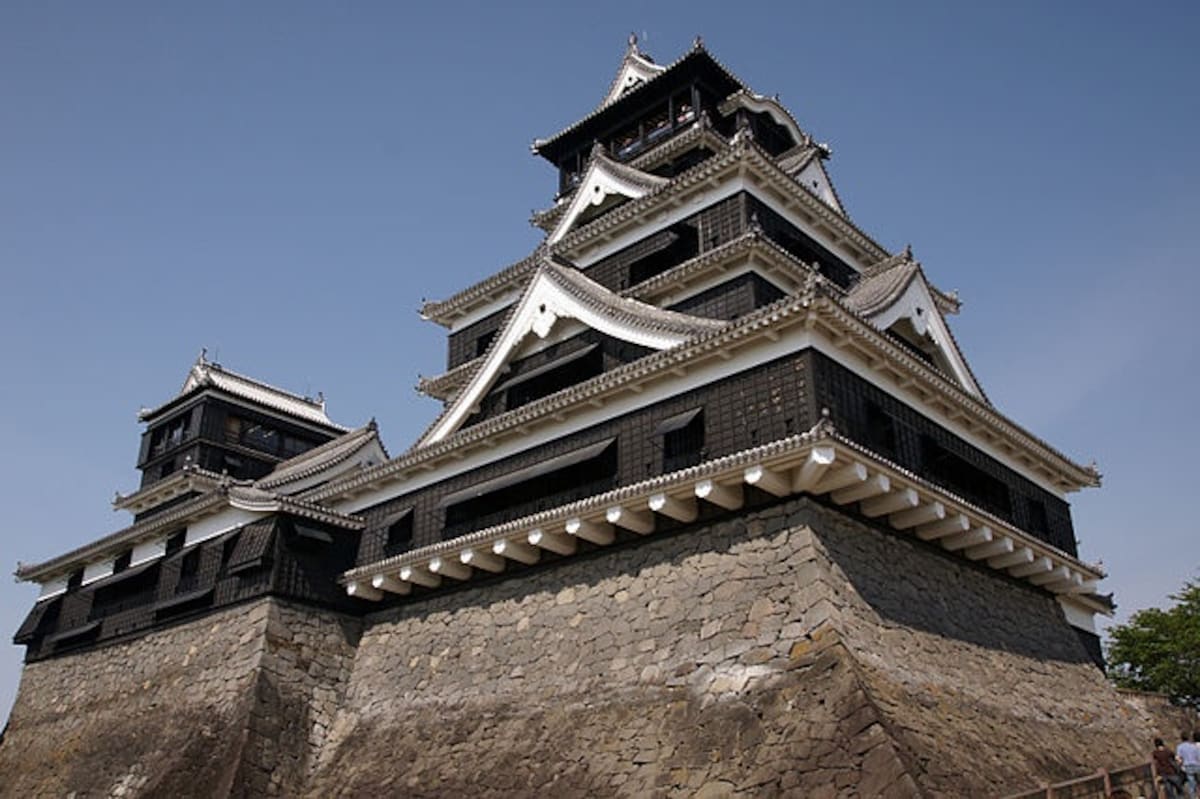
[1139,780]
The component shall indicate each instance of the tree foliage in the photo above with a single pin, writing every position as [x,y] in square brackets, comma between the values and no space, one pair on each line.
[1159,650]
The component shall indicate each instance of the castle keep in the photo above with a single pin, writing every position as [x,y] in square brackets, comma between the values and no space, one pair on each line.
[714,505]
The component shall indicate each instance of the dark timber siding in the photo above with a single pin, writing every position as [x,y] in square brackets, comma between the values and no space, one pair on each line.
[757,406]
[609,353]
[277,555]
[699,233]
[731,299]
[206,441]
[894,430]
[465,345]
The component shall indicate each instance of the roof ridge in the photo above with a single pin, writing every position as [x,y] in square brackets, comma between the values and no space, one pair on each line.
[208,366]
[696,49]
[204,373]
[636,320]
[633,56]
[314,460]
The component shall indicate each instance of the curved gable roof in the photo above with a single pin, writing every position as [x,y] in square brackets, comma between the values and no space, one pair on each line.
[562,292]
[897,290]
[361,446]
[206,374]
[603,179]
[636,68]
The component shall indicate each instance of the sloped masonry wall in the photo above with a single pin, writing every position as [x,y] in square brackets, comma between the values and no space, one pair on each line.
[792,651]
[232,704]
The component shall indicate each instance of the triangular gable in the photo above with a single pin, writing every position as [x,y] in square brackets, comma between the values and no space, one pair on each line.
[557,293]
[603,180]
[815,178]
[635,70]
[916,306]
[905,304]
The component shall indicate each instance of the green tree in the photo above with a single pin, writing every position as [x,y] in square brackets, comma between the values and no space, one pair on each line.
[1159,650]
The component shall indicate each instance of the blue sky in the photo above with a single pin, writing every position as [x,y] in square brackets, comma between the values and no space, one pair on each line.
[284,182]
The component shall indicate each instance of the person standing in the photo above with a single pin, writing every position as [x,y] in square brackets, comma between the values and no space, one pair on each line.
[1188,753]
[1168,768]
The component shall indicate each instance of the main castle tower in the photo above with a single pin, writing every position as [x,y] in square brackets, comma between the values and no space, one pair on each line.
[714,503]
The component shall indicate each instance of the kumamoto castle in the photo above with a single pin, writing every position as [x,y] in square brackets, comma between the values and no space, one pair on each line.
[714,506]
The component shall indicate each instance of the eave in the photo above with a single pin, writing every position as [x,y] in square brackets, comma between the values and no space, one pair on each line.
[816,307]
[817,464]
[187,480]
[741,158]
[562,292]
[447,384]
[323,458]
[113,544]
[549,148]
[205,375]
[240,496]
[768,256]
[696,136]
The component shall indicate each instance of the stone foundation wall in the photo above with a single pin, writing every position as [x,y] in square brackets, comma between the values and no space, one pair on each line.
[979,677]
[157,715]
[787,651]
[233,704]
[791,651]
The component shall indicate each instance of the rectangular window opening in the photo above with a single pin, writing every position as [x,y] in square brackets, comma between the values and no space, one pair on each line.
[557,375]
[682,440]
[881,430]
[136,588]
[966,479]
[553,482]
[399,534]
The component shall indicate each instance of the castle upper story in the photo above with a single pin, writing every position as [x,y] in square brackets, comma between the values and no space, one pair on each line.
[702,330]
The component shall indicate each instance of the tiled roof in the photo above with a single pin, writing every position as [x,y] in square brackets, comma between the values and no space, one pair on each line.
[493,285]
[779,456]
[318,459]
[188,479]
[629,318]
[795,159]
[880,286]
[626,172]
[444,385]
[205,374]
[700,134]
[821,302]
[238,494]
[754,241]
[745,98]
[636,67]
[626,309]
[602,179]
[697,50]
[135,532]
[743,153]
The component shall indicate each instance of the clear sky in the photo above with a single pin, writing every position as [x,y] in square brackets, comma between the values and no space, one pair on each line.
[284,182]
